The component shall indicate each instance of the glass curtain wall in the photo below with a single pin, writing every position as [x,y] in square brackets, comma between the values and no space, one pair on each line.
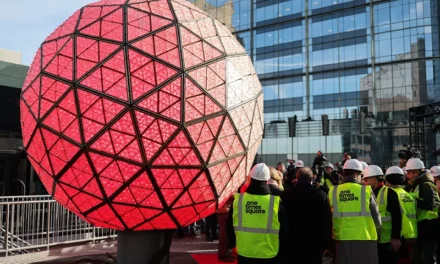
[339,58]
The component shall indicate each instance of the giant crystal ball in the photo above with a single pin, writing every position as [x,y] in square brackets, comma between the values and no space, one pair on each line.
[141,115]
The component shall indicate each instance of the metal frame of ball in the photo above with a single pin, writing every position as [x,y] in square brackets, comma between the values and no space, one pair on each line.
[145,166]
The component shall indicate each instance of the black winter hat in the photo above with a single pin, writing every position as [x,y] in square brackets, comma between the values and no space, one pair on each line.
[395,179]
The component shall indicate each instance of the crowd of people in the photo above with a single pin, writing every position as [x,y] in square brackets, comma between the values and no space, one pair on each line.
[358,214]
[353,213]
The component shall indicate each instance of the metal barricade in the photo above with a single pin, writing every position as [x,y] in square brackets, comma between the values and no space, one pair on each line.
[33,223]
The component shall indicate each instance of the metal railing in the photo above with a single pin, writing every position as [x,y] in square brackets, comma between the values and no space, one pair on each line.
[33,223]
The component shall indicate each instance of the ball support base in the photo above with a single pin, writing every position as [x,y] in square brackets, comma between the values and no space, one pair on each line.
[144,247]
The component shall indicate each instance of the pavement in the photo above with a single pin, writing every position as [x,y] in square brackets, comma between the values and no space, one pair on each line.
[182,252]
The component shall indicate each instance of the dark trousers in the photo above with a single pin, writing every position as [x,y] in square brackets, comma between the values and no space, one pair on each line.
[211,226]
[386,254]
[223,237]
[301,255]
[424,253]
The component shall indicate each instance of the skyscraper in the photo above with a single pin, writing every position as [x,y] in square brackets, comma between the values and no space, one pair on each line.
[339,58]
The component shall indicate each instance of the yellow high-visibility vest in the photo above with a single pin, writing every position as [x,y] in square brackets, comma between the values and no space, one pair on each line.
[256,225]
[423,214]
[407,205]
[352,218]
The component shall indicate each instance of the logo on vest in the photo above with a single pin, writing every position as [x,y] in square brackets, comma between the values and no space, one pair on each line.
[346,196]
[252,207]
[405,198]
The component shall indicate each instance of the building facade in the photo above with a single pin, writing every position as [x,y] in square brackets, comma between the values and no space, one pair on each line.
[16,175]
[339,58]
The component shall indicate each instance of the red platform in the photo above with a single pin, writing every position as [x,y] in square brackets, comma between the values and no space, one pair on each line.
[207,258]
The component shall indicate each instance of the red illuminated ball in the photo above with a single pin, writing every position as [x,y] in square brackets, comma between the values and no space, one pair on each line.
[141,115]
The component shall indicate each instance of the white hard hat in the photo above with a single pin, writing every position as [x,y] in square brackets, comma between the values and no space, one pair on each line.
[372,171]
[414,164]
[364,164]
[260,172]
[435,171]
[394,170]
[353,164]
[299,164]
[329,165]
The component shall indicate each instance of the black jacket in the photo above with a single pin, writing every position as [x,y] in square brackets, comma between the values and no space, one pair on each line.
[309,219]
[275,190]
[260,188]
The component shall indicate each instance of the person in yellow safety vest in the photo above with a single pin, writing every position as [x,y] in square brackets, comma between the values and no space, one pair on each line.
[421,186]
[328,175]
[256,217]
[435,172]
[330,178]
[356,218]
[398,211]
[373,176]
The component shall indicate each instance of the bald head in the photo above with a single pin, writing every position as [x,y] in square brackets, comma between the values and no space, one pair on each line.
[305,175]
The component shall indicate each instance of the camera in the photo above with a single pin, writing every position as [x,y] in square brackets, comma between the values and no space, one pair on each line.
[409,152]
[436,152]
[320,159]
[291,169]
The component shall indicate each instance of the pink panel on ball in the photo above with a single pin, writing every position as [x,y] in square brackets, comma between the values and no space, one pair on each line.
[166,101]
[195,50]
[30,96]
[154,132]
[238,168]
[79,174]
[63,118]
[205,209]
[90,52]
[62,63]
[51,48]
[139,23]
[162,44]
[105,215]
[161,8]
[184,12]
[28,123]
[110,27]
[85,202]
[51,91]
[201,190]
[63,198]
[109,78]
[228,143]
[61,152]
[185,214]
[198,104]
[163,221]
[203,134]
[93,13]
[131,216]
[178,152]
[218,173]
[36,148]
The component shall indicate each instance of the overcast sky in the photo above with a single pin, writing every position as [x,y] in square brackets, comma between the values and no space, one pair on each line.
[24,24]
